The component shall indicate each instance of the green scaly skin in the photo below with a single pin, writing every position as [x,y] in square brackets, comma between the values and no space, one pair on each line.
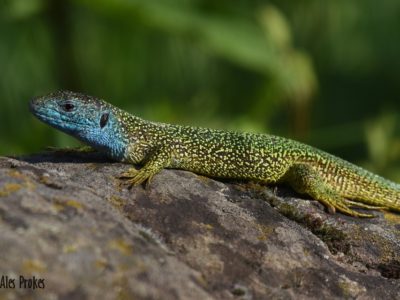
[332,181]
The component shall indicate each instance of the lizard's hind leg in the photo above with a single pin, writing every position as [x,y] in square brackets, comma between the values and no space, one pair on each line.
[305,180]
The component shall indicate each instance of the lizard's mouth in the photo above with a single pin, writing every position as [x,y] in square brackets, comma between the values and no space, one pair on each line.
[53,117]
[34,108]
[48,116]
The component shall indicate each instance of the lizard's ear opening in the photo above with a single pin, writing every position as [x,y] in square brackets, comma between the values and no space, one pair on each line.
[104,119]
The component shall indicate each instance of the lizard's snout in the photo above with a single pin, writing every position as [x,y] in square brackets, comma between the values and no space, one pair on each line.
[33,104]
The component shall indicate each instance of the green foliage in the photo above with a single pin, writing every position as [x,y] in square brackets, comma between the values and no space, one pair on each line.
[323,72]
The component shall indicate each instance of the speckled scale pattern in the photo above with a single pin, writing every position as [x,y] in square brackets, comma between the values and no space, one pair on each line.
[261,157]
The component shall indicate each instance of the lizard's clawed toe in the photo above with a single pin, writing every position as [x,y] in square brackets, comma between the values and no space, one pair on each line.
[134,177]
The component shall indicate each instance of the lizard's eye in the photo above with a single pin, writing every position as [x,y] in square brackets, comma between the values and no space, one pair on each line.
[68,107]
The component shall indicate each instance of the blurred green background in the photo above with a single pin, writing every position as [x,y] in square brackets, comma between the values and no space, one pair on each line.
[323,72]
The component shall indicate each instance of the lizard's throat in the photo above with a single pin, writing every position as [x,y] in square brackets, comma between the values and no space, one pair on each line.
[111,142]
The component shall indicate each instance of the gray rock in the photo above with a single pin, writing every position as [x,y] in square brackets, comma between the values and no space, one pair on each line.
[65,218]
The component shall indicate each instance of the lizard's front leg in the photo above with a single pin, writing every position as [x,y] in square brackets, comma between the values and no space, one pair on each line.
[154,163]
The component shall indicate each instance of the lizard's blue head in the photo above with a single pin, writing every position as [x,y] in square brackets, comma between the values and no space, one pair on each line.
[89,119]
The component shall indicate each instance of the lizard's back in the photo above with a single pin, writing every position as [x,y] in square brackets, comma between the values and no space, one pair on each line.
[231,154]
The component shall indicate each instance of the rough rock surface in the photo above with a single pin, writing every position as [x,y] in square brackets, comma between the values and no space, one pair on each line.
[65,218]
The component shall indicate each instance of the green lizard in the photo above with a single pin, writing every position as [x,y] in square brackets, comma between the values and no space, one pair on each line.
[336,183]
